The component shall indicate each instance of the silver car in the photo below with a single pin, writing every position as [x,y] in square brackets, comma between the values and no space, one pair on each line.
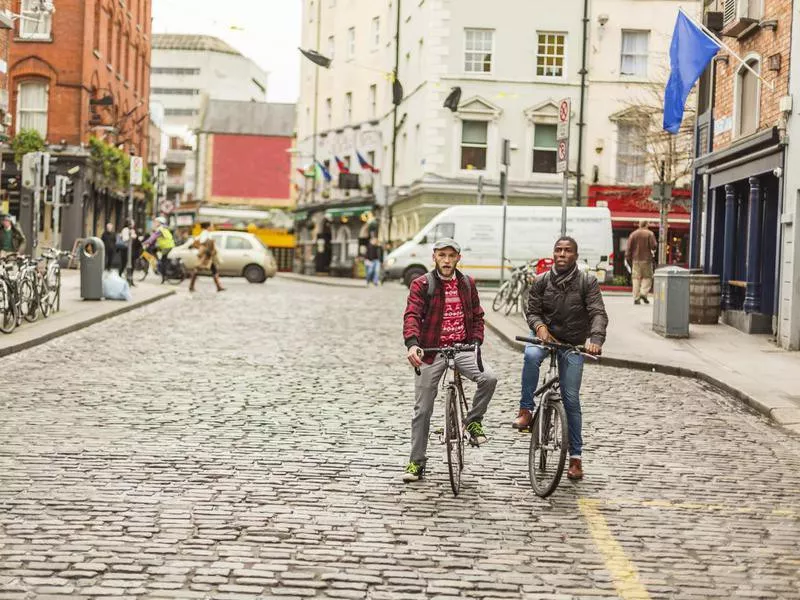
[240,254]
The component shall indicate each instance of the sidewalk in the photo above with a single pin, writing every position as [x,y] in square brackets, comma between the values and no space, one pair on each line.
[748,367]
[76,314]
[325,280]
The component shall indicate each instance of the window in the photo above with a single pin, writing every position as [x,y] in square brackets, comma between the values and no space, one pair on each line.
[348,107]
[237,242]
[441,231]
[633,60]
[478,53]
[331,46]
[351,43]
[373,100]
[376,32]
[329,111]
[174,71]
[550,53]
[544,149]
[135,70]
[175,91]
[474,136]
[110,38]
[118,52]
[630,152]
[32,107]
[181,112]
[126,65]
[96,32]
[35,23]
[747,99]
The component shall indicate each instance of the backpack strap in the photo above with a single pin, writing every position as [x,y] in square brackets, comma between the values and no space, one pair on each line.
[584,282]
[432,280]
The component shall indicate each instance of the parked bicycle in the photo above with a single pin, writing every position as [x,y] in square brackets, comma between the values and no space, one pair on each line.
[455,408]
[549,445]
[508,295]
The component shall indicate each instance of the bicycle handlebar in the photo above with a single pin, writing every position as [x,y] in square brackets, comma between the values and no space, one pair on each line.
[455,349]
[556,346]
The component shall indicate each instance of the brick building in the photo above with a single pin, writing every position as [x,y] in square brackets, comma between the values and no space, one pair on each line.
[741,142]
[76,72]
[6,24]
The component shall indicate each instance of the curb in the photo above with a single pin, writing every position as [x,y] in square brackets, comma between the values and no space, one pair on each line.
[626,363]
[330,281]
[81,325]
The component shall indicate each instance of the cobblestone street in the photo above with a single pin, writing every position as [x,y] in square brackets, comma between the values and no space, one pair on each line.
[251,445]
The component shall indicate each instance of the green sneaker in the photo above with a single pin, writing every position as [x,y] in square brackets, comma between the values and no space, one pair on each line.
[477,435]
[414,472]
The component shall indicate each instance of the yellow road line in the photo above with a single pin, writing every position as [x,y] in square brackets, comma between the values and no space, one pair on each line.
[623,572]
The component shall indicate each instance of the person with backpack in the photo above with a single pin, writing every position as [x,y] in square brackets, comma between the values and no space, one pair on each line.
[564,305]
[443,309]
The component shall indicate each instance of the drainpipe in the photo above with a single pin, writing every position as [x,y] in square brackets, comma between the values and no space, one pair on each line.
[394,122]
[584,71]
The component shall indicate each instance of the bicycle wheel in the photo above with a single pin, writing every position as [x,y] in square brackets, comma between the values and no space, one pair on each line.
[45,298]
[142,267]
[454,441]
[8,313]
[513,297]
[500,298]
[548,449]
[176,274]
[28,300]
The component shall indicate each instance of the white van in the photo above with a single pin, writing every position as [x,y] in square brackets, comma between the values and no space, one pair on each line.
[531,232]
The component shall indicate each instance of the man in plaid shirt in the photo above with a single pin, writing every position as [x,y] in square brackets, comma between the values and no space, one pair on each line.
[451,315]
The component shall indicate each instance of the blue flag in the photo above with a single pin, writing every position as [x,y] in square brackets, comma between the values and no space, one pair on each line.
[691,50]
[324,172]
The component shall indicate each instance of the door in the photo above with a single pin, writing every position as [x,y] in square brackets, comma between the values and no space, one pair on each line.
[239,253]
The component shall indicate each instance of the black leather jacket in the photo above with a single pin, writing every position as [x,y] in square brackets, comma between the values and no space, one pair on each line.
[572,314]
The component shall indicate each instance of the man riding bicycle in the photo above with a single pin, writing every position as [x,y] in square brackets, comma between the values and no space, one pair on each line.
[163,240]
[564,305]
[443,309]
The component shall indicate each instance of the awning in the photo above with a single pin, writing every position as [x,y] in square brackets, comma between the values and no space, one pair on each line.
[348,211]
[301,215]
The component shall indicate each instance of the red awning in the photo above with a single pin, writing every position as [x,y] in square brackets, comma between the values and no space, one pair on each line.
[676,220]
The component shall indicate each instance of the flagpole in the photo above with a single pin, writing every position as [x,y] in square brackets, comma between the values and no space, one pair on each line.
[716,40]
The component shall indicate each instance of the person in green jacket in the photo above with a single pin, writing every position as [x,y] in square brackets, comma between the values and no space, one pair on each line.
[11,237]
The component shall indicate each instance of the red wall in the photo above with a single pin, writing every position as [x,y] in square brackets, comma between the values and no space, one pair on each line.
[251,166]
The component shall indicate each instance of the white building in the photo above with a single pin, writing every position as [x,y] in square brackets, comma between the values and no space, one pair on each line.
[512,60]
[187,67]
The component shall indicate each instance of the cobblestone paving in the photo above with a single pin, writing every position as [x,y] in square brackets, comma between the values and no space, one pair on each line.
[250,445]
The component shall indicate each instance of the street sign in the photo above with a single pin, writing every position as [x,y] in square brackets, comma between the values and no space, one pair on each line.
[564,111]
[562,156]
[137,166]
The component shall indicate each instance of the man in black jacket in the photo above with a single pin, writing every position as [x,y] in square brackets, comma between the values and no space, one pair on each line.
[564,305]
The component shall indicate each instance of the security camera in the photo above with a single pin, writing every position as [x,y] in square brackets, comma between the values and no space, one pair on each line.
[602,19]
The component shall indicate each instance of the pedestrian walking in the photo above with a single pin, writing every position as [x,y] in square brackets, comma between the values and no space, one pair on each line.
[109,239]
[128,233]
[639,254]
[443,309]
[207,258]
[373,257]
[11,237]
[564,305]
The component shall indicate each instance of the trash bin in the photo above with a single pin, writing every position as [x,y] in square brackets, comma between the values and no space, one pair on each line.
[93,261]
[671,302]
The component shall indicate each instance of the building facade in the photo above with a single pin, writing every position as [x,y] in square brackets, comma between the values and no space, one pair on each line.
[187,69]
[511,77]
[79,72]
[740,228]
[6,28]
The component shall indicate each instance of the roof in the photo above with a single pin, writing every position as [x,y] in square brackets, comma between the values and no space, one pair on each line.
[248,118]
[190,41]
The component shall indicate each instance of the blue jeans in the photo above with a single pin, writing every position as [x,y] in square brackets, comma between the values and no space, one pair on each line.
[570,371]
[373,271]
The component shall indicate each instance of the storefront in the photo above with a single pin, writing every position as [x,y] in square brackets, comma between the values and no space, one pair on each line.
[629,206]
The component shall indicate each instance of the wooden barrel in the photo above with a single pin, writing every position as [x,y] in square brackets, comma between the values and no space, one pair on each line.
[704,295]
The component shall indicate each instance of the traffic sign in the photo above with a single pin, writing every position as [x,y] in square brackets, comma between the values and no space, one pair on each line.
[563,156]
[564,113]
[137,166]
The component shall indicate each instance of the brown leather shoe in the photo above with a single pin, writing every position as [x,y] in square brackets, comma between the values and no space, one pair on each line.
[523,420]
[575,471]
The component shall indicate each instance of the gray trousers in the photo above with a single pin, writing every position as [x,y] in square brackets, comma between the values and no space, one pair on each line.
[426,386]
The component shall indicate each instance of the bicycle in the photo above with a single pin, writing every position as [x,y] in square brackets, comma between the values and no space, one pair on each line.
[509,293]
[549,429]
[17,293]
[51,279]
[147,261]
[455,409]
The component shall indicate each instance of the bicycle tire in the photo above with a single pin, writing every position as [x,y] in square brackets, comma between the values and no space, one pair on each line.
[45,299]
[8,316]
[544,468]
[513,298]
[176,275]
[500,297]
[28,296]
[453,441]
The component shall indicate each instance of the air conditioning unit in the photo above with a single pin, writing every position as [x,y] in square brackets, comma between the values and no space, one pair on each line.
[738,18]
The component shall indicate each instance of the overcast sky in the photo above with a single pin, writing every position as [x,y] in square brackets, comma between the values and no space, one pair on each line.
[267,31]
